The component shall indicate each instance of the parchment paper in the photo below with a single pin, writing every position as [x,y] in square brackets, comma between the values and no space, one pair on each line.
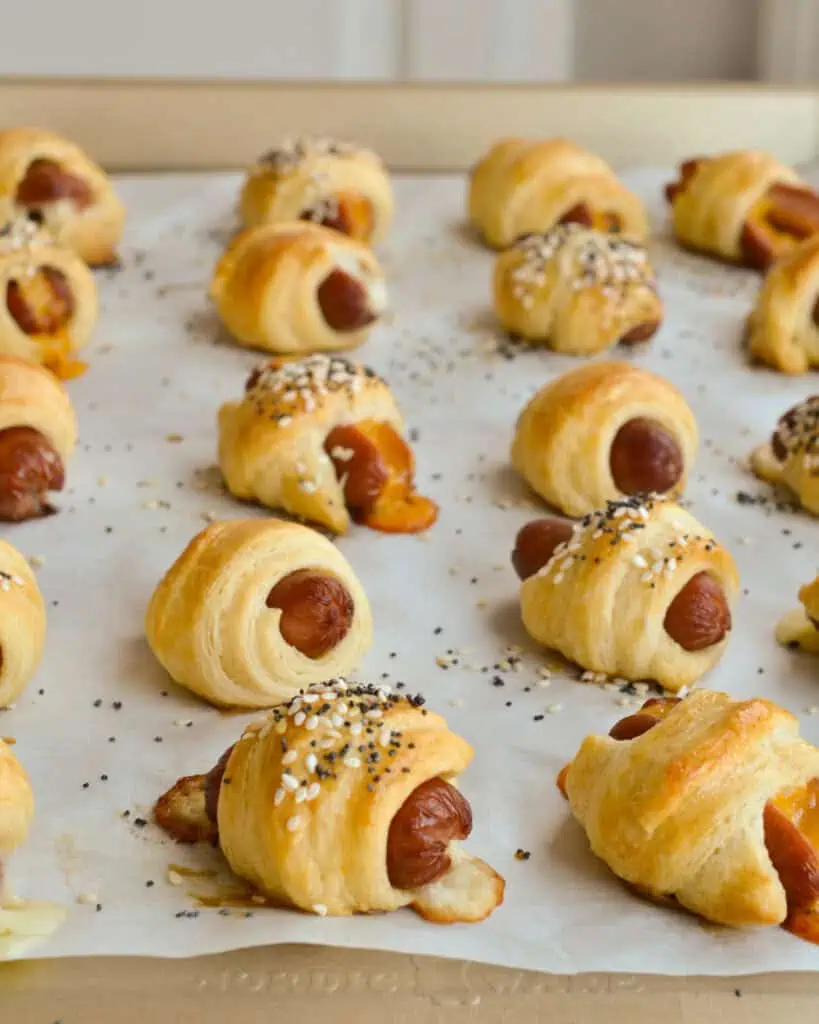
[142,484]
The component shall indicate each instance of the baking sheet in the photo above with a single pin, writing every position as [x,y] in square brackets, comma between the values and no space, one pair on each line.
[102,730]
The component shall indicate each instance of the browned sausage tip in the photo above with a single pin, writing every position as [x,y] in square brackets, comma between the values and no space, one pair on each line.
[699,615]
[579,214]
[29,468]
[45,181]
[344,302]
[213,786]
[358,463]
[432,815]
[640,333]
[536,543]
[317,611]
[41,304]
[645,458]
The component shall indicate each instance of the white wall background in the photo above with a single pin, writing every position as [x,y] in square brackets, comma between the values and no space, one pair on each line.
[449,40]
[655,40]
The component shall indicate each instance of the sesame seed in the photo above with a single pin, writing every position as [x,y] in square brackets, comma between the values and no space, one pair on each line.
[289,757]
[293,823]
[290,782]
[281,793]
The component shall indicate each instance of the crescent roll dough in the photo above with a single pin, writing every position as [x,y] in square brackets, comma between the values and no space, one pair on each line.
[602,598]
[783,329]
[333,183]
[564,444]
[30,396]
[278,446]
[297,288]
[16,800]
[22,630]
[23,923]
[576,290]
[213,626]
[799,628]
[745,207]
[521,186]
[35,404]
[307,798]
[51,303]
[705,807]
[43,173]
[791,457]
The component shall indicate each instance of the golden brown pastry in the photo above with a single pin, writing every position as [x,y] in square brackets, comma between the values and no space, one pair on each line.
[744,207]
[710,802]
[48,176]
[253,610]
[297,288]
[639,590]
[321,439]
[799,628]
[577,290]
[783,329]
[38,432]
[343,801]
[23,923]
[16,800]
[601,432]
[791,457]
[22,630]
[50,303]
[333,183]
[523,186]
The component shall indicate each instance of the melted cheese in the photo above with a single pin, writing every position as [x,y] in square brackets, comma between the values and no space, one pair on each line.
[603,221]
[358,212]
[56,354]
[801,805]
[56,346]
[397,509]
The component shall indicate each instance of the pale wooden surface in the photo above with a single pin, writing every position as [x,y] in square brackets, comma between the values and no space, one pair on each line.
[154,125]
[317,984]
[160,125]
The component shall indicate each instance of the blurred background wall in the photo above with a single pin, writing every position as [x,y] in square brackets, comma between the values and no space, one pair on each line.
[426,40]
